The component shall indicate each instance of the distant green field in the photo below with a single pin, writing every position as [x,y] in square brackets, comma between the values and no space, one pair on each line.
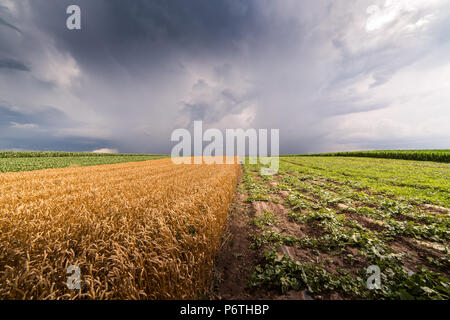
[420,155]
[45,154]
[11,161]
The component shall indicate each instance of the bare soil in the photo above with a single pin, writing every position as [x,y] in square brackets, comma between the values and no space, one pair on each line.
[415,254]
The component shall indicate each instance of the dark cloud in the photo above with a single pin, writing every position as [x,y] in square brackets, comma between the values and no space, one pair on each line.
[9,25]
[13,65]
[43,142]
[131,34]
[38,129]
[47,117]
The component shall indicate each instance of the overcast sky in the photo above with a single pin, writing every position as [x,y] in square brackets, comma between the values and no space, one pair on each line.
[330,74]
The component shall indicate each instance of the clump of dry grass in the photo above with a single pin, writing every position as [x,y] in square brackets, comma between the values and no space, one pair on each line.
[146,230]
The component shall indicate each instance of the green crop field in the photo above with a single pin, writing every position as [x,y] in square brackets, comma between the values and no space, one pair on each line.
[420,155]
[11,161]
[322,221]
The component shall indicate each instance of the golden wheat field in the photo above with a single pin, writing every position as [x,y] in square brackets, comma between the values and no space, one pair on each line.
[141,230]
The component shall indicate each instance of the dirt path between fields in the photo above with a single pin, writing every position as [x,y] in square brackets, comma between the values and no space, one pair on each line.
[236,261]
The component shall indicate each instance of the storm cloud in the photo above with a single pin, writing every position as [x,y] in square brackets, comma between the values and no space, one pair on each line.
[331,75]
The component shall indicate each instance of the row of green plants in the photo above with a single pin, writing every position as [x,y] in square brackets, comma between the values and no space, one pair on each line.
[419,155]
[310,198]
[397,216]
[415,181]
[386,212]
[281,272]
